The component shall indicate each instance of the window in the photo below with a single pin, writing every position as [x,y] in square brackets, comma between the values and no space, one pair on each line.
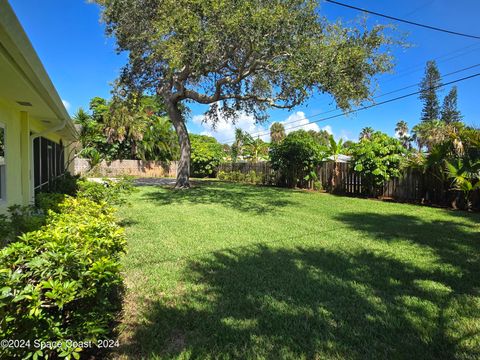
[2,162]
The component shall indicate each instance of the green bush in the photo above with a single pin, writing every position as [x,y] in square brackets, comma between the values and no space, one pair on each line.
[207,153]
[65,184]
[378,158]
[112,192]
[60,282]
[25,218]
[49,201]
[296,158]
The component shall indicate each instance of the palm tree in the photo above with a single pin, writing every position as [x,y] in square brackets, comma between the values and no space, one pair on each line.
[277,132]
[465,177]
[401,129]
[366,133]
[256,149]
[335,148]
[237,146]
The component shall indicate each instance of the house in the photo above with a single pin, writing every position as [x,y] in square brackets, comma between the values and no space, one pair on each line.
[36,131]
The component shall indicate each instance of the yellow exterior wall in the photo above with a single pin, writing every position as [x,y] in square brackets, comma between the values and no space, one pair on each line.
[13,169]
[18,153]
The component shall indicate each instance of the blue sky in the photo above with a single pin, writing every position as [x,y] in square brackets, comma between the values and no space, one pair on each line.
[82,62]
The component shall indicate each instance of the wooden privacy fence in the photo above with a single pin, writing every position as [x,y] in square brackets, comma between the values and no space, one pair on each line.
[412,186]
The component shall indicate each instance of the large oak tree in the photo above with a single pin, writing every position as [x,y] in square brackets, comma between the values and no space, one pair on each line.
[240,56]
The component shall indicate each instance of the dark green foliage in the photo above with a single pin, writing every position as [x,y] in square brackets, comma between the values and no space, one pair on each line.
[296,158]
[450,113]
[378,158]
[25,218]
[65,184]
[59,283]
[207,153]
[428,92]
[277,132]
[321,136]
[116,130]
[49,201]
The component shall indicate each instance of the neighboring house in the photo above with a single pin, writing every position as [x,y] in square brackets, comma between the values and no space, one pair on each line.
[340,158]
[35,128]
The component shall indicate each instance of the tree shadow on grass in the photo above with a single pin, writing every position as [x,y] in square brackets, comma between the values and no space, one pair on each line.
[316,303]
[245,198]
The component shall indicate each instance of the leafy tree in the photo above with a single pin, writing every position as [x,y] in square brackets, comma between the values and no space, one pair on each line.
[401,129]
[240,56]
[378,158]
[450,112]
[366,133]
[296,158]
[334,149]
[428,92]
[277,132]
[207,153]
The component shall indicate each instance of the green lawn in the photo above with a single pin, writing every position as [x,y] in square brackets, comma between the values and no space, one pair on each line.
[236,271]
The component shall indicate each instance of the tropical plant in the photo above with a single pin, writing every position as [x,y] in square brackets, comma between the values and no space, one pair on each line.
[378,159]
[256,149]
[296,159]
[366,133]
[322,137]
[240,57]
[465,176]
[401,129]
[334,149]
[237,148]
[277,132]
[207,153]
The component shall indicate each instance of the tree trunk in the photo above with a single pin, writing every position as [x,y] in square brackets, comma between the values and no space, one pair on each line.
[183,167]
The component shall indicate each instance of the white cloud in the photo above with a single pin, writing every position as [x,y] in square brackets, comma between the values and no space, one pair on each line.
[300,122]
[225,131]
[66,104]
[328,129]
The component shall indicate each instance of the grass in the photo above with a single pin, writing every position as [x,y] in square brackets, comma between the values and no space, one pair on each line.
[236,271]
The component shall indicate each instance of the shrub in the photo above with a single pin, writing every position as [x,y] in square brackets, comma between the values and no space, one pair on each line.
[112,192]
[49,201]
[296,158]
[207,153]
[25,218]
[59,282]
[378,158]
[65,184]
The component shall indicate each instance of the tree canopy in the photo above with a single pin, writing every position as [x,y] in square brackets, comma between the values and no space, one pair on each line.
[240,56]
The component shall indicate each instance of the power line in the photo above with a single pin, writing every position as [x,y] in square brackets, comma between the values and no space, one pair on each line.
[266,132]
[388,101]
[404,21]
[377,104]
